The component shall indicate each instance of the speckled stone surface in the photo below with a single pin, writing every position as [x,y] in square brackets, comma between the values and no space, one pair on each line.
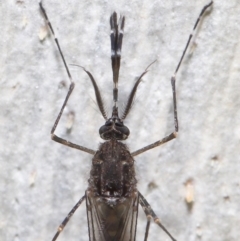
[40,180]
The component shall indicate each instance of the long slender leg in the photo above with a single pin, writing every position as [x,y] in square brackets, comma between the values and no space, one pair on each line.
[71,87]
[65,221]
[173,80]
[151,215]
[173,135]
[147,228]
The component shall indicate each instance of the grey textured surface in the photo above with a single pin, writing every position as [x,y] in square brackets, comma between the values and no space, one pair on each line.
[41,180]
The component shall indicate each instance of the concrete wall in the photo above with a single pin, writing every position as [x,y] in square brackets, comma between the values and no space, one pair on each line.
[41,180]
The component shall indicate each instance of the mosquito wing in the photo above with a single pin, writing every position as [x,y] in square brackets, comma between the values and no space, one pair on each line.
[112,220]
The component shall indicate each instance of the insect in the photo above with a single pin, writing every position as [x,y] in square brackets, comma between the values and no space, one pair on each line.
[112,198]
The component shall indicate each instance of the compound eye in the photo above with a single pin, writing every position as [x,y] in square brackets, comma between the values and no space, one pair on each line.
[103,131]
[125,131]
[114,128]
[119,123]
[108,123]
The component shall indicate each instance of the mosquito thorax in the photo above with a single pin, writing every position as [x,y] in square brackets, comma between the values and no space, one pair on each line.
[112,174]
[114,128]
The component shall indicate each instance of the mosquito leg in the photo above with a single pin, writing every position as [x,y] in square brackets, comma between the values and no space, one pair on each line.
[173,135]
[155,144]
[191,35]
[71,87]
[151,215]
[65,221]
[147,227]
[173,79]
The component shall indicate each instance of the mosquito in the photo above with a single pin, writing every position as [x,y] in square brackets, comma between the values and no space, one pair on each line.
[112,197]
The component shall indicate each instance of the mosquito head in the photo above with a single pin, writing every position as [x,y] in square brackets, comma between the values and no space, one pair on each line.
[114,128]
